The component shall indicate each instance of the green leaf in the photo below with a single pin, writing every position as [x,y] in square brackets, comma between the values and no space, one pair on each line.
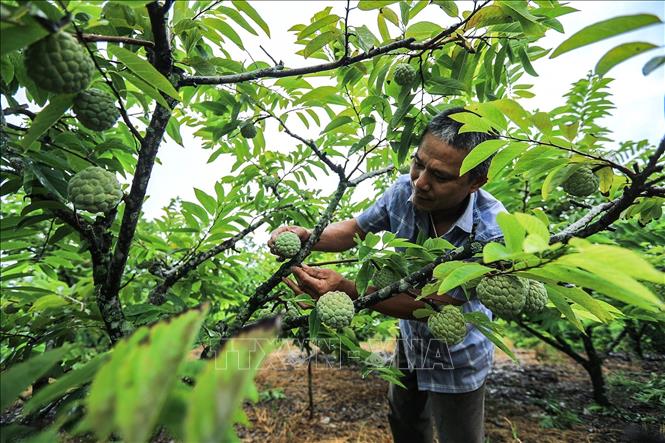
[337,122]
[448,6]
[480,153]
[197,210]
[506,156]
[143,69]
[559,300]
[653,64]
[47,118]
[208,202]
[128,393]
[526,63]
[17,378]
[318,24]
[368,5]
[244,6]
[225,29]
[605,29]
[621,53]
[462,275]
[513,232]
[489,329]
[236,17]
[423,30]
[533,225]
[215,403]
[319,42]
[17,37]
[64,384]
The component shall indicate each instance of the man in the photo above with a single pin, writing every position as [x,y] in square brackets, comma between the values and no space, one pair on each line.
[443,383]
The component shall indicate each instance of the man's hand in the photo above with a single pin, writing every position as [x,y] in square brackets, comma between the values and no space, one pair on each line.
[314,281]
[301,232]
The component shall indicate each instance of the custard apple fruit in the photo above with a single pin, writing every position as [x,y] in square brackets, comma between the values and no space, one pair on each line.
[94,189]
[405,74]
[581,182]
[335,309]
[287,244]
[247,129]
[269,181]
[95,109]
[58,63]
[504,295]
[536,297]
[385,277]
[448,325]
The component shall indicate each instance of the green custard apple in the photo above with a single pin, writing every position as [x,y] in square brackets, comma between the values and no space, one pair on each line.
[58,63]
[335,309]
[385,277]
[95,109]
[504,295]
[448,325]
[94,189]
[405,74]
[536,297]
[287,244]
[581,183]
[247,129]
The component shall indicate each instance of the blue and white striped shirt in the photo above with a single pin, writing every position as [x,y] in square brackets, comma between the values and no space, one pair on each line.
[440,368]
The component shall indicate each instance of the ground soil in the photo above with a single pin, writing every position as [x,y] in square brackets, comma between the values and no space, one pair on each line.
[524,400]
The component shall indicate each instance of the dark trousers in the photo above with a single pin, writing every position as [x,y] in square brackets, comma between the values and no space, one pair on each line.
[459,418]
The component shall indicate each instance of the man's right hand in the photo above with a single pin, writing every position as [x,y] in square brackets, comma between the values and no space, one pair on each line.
[301,232]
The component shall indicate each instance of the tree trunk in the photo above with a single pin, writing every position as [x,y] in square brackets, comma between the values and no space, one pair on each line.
[594,367]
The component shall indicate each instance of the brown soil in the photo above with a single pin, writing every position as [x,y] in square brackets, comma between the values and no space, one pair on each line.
[349,408]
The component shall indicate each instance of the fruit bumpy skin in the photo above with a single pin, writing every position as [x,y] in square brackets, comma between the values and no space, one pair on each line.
[247,129]
[385,277]
[404,74]
[581,183]
[94,189]
[448,325]
[287,244]
[335,309]
[504,295]
[58,63]
[536,297]
[95,109]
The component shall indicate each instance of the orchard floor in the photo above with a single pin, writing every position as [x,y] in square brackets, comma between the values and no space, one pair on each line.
[524,402]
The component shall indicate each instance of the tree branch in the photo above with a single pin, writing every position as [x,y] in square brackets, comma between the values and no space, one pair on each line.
[115,39]
[560,344]
[175,274]
[278,71]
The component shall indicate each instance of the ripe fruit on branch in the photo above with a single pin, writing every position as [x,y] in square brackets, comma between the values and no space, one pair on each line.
[335,309]
[536,297]
[385,277]
[94,189]
[581,182]
[448,325]
[287,244]
[247,129]
[95,109]
[58,63]
[504,295]
[405,74]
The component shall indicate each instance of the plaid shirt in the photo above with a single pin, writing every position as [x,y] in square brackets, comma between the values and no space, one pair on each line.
[440,368]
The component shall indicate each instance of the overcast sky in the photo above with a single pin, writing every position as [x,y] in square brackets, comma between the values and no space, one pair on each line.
[639,99]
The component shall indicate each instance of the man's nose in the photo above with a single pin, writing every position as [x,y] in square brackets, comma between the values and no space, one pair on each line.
[421,182]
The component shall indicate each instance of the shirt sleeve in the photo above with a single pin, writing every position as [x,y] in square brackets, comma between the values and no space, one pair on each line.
[377,217]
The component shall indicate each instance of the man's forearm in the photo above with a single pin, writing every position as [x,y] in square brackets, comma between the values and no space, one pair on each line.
[399,305]
[339,236]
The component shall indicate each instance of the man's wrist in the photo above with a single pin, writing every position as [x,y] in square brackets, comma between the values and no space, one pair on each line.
[348,286]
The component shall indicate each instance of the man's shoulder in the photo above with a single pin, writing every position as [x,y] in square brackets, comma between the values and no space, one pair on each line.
[487,207]
[400,191]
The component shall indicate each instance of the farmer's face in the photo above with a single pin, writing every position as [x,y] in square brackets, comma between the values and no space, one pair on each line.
[435,179]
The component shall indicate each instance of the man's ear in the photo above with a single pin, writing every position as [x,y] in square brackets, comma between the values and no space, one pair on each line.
[476,183]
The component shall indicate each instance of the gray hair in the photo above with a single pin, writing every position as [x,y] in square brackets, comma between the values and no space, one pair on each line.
[447,130]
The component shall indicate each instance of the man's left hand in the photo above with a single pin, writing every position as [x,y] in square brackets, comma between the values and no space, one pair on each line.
[314,281]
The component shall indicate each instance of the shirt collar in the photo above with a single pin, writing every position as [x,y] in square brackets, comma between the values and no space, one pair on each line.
[464,222]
